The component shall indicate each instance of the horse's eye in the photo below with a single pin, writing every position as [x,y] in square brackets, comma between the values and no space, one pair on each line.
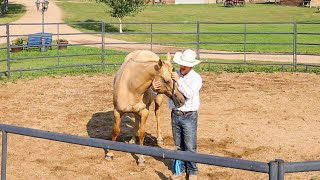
[165,80]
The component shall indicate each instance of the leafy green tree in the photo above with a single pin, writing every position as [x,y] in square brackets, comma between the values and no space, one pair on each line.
[122,8]
[3,6]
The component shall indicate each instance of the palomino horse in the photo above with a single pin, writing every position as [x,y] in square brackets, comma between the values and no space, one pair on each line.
[132,92]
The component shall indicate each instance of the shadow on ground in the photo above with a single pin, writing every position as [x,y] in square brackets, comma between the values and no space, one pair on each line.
[101,125]
[92,25]
[14,10]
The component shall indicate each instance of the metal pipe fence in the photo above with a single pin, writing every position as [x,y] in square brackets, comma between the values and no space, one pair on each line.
[211,40]
[276,169]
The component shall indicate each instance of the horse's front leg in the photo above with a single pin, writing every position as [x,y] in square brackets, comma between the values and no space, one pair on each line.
[144,116]
[115,132]
[135,128]
[158,102]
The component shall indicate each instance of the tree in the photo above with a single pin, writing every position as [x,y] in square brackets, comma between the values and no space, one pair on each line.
[3,6]
[123,8]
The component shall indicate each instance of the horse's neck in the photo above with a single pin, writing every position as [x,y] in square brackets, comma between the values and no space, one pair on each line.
[144,78]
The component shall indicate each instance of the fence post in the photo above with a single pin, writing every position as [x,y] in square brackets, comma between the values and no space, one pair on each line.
[151,36]
[198,40]
[273,170]
[103,29]
[280,169]
[245,43]
[295,45]
[58,37]
[8,50]
[4,155]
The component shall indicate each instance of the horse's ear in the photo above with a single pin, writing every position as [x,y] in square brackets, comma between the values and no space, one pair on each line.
[168,58]
[159,65]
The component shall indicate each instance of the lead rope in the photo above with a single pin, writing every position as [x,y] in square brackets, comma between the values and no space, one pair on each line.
[174,84]
[174,91]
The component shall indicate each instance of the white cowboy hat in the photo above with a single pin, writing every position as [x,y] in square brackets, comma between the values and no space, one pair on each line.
[187,58]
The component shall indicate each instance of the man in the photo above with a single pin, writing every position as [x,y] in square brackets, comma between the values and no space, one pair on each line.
[184,120]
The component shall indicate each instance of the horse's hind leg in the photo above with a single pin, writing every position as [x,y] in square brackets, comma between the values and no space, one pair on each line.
[115,132]
[158,102]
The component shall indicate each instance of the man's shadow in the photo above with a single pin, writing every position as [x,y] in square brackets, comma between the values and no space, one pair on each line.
[101,125]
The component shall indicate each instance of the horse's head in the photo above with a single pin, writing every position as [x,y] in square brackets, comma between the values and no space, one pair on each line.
[168,86]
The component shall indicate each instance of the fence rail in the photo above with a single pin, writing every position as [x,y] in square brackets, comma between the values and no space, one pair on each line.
[276,169]
[242,38]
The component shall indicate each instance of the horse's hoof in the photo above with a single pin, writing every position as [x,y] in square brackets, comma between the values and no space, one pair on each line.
[160,142]
[132,141]
[142,163]
[109,158]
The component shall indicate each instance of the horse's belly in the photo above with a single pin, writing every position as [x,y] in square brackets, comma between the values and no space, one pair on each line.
[126,101]
[128,107]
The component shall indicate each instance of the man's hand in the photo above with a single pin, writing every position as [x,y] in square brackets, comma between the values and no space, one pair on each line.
[175,76]
[156,85]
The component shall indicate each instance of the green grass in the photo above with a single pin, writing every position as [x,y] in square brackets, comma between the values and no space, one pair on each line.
[90,11]
[15,11]
[75,11]
[22,68]
[36,59]
[259,67]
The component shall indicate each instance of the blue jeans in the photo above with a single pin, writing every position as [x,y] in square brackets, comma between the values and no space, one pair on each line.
[184,130]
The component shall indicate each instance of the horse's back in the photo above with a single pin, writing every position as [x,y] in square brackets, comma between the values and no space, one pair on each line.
[130,74]
[129,69]
[136,56]
[142,56]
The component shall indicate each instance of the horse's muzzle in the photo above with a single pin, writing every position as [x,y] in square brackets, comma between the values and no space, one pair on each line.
[178,102]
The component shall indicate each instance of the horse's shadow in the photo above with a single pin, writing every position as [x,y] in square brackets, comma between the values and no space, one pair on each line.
[101,125]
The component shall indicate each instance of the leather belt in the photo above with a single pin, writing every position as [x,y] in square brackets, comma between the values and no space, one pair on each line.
[182,113]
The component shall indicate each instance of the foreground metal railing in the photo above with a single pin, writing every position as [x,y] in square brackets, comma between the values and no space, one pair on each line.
[276,169]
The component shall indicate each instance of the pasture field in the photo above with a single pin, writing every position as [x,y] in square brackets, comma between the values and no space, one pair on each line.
[90,11]
[112,60]
[253,116]
[15,11]
[49,61]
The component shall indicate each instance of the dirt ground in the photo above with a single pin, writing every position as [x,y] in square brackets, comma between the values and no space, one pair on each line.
[252,116]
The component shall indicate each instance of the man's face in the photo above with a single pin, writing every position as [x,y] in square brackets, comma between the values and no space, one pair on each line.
[184,70]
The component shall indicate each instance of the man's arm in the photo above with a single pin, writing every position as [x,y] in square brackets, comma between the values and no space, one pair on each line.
[189,90]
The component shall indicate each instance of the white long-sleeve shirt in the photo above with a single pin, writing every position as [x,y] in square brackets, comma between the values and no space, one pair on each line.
[189,85]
